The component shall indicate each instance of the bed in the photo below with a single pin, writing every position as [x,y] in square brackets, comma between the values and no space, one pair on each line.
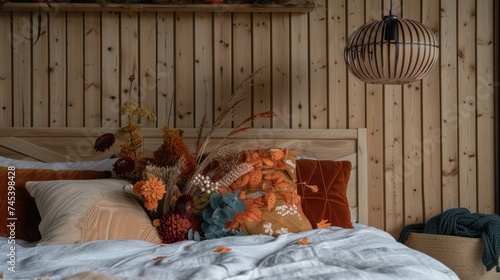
[324,252]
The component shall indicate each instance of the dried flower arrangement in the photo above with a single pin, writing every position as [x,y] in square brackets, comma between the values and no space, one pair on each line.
[198,196]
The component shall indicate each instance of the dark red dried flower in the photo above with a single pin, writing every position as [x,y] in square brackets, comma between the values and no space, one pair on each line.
[173,228]
[184,205]
[123,166]
[104,142]
[195,224]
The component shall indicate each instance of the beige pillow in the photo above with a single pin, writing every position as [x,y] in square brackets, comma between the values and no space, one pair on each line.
[75,211]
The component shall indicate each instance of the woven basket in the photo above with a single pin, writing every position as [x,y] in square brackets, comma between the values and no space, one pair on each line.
[461,254]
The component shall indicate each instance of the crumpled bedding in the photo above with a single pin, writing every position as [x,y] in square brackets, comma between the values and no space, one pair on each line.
[335,253]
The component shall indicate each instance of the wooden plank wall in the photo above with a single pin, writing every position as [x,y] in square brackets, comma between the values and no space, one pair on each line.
[430,143]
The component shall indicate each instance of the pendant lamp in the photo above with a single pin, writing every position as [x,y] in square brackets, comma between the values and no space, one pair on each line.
[391,51]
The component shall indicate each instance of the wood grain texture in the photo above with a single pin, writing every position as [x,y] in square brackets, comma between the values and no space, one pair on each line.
[21,65]
[412,137]
[166,69]
[318,60]
[147,64]
[431,123]
[57,70]
[393,159]
[300,75]
[110,69]
[261,59]
[184,70]
[75,70]
[485,96]
[375,128]
[203,68]
[280,70]
[5,73]
[337,72]
[356,107]
[242,59]
[129,59]
[40,61]
[466,50]
[92,59]
[223,50]
[449,105]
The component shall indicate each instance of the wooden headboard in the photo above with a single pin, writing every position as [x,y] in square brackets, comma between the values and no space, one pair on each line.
[76,144]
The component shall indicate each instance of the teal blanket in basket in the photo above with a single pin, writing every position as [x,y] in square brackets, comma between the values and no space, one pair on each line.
[461,222]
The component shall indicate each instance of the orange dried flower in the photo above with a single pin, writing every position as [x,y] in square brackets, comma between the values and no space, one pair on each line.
[156,222]
[152,190]
[173,149]
[138,187]
[150,205]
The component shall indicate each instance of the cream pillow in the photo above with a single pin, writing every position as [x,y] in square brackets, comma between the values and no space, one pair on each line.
[100,165]
[75,211]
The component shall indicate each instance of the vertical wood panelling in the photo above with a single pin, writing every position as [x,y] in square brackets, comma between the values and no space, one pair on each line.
[318,115]
[337,92]
[242,58]
[393,161]
[40,56]
[356,88]
[467,103]
[449,105]
[300,74]
[485,106]
[129,58]
[222,61]
[75,70]
[147,64]
[166,73]
[57,70]
[203,68]
[412,137]
[393,138]
[21,41]
[184,72]
[430,142]
[92,60]
[110,73]
[375,129]
[280,64]
[431,123]
[5,71]
[261,41]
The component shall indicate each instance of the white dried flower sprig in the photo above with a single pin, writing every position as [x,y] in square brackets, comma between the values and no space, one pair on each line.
[205,184]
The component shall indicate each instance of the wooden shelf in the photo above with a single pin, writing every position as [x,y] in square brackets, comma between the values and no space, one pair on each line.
[94,7]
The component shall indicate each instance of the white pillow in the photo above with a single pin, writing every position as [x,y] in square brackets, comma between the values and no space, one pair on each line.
[75,211]
[99,165]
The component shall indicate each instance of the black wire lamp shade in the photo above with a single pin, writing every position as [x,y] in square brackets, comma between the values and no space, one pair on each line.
[391,51]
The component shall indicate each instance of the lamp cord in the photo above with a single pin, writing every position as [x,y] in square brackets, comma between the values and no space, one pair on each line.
[390,8]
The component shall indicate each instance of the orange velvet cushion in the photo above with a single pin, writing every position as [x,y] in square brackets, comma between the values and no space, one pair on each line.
[330,201]
[26,211]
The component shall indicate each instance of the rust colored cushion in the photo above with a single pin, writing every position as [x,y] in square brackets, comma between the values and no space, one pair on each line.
[330,201]
[25,209]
